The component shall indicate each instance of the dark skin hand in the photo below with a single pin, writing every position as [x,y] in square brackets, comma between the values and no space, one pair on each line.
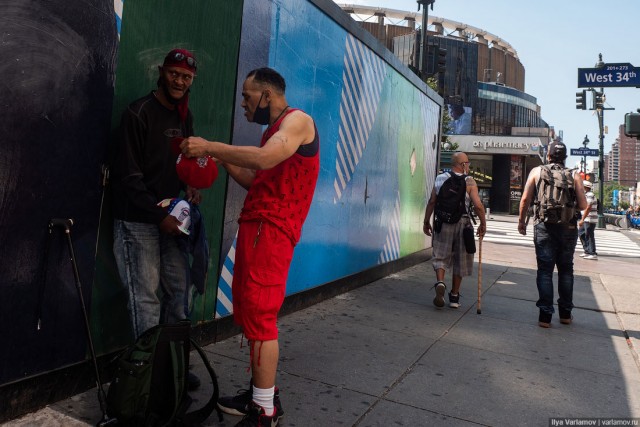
[169,225]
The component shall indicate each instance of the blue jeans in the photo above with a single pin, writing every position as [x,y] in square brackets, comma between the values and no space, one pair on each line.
[587,238]
[154,270]
[555,245]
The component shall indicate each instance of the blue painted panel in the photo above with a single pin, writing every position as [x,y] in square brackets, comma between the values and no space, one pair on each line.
[367,114]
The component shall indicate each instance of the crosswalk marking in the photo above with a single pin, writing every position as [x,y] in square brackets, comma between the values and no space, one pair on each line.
[608,242]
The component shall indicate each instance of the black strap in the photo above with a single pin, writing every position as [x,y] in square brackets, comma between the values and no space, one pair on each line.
[199,415]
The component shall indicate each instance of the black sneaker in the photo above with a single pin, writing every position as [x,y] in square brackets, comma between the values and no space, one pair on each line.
[438,301]
[454,300]
[565,317]
[257,418]
[239,404]
[544,320]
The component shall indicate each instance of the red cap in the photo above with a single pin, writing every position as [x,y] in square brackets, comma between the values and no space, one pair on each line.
[198,172]
[181,58]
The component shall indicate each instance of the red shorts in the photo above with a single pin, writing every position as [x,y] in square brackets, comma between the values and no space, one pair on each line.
[263,257]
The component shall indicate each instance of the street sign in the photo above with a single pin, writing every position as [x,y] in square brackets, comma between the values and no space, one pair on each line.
[610,75]
[585,152]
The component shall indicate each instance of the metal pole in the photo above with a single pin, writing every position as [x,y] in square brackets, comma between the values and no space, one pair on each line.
[423,36]
[601,223]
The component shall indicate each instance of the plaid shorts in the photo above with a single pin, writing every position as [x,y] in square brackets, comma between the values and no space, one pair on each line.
[449,250]
[263,257]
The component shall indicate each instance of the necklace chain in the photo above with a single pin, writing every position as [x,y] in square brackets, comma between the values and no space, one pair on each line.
[279,115]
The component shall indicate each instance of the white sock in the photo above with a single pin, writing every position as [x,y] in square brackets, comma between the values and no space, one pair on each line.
[264,397]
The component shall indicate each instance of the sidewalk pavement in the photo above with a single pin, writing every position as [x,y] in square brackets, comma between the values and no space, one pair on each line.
[383,355]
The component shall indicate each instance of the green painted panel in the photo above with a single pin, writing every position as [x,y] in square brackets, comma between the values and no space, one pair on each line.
[150,28]
[411,171]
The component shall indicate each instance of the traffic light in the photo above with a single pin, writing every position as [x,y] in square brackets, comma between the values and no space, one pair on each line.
[581,100]
[632,124]
[442,60]
[598,100]
[588,177]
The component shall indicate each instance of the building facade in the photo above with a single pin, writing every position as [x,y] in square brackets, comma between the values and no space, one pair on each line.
[482,82]
[629,159]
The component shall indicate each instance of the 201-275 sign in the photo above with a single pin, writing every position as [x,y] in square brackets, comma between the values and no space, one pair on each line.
[610,75]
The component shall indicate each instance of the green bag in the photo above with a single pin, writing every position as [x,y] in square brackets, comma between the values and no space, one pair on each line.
[149,388]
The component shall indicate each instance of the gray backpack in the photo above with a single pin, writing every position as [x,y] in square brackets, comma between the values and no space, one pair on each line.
[555,201]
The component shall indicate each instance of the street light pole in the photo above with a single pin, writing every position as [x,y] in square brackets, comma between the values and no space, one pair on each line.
[600,113]
[423,38]
[601,223]
[585,142]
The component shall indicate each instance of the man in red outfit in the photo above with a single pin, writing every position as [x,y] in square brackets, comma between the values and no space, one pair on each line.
[280,176]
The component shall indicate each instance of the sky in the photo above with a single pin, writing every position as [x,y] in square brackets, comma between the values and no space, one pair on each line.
[553,39]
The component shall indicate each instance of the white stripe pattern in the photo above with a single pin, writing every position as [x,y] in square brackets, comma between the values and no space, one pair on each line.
[224,304]
[391,248]
[363,78]
[118,6]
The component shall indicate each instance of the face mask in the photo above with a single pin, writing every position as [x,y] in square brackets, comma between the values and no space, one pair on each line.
[262,115]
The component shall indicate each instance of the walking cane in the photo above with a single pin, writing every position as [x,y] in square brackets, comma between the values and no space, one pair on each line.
[479,311]
[65,225]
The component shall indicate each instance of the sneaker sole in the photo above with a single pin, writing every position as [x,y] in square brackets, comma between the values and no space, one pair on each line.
[454,304]
[566,321]
[438,301]
[231,411]
[544,324]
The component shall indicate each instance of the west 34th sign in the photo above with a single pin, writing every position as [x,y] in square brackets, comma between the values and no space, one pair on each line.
[610,75]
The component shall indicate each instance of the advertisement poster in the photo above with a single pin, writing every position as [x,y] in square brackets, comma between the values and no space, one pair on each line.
[460,119]
[516,172]
[514,202]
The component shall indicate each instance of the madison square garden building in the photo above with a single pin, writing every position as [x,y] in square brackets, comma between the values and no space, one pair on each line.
[482,81]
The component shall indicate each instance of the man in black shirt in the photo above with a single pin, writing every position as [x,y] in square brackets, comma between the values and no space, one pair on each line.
[145,235]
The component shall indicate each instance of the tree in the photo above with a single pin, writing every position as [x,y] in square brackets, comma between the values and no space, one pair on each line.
[445,142]
[607,199]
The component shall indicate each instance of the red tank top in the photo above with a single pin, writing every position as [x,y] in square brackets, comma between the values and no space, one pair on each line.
[282,195]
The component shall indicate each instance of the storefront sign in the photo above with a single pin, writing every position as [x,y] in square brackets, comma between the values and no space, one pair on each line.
[520,145]
[500,145]
[514,202]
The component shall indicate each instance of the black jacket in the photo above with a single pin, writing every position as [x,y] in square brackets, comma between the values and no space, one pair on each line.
[144,168]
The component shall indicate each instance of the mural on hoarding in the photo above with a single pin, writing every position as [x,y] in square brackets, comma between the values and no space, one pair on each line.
[58,72]
[378,151]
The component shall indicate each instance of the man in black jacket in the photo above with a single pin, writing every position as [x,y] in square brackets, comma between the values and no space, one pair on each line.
[146,235]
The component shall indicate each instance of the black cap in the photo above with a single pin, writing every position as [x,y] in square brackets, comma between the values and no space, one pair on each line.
[557,150]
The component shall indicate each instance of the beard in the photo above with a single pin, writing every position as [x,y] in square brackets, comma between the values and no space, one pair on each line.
[164,86]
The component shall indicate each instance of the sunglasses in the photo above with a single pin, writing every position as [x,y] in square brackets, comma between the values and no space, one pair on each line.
[179,57]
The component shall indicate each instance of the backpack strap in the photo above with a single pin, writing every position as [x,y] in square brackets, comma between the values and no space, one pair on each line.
[536,200]
[199,415]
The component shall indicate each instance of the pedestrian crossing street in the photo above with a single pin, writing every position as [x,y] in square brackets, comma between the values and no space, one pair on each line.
[608,242]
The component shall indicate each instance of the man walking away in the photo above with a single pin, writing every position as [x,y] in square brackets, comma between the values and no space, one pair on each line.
[451,195]
[556,193]
[587,224]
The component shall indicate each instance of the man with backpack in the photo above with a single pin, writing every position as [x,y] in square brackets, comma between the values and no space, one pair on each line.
[557,194]
[451,195]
